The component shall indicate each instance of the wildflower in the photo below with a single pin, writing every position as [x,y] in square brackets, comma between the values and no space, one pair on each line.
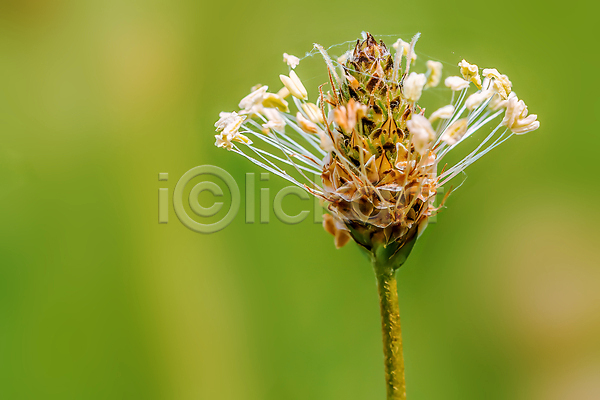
[370,151]
[365,147]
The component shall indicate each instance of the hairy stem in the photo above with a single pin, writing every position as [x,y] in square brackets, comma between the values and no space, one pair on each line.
[392,335]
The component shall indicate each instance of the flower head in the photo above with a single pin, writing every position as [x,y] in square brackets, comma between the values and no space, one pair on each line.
[365,146]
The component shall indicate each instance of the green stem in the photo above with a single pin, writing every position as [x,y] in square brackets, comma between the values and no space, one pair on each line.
[392,335]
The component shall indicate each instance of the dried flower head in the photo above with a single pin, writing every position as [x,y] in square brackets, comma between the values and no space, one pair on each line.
[374,148]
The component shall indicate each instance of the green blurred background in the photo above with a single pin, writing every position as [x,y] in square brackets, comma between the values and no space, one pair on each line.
[500,299]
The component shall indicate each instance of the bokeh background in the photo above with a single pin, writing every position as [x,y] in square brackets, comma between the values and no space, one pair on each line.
[500,299]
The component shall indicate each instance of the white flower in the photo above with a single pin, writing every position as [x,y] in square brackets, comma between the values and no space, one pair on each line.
[434,68]
[475,100]
[456,83]
[470,72]
[456,131]
[501,83]
[335,138]
[422,132]
[291,60]
[442,113]
[516,118]
[294,85]
[413,86]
